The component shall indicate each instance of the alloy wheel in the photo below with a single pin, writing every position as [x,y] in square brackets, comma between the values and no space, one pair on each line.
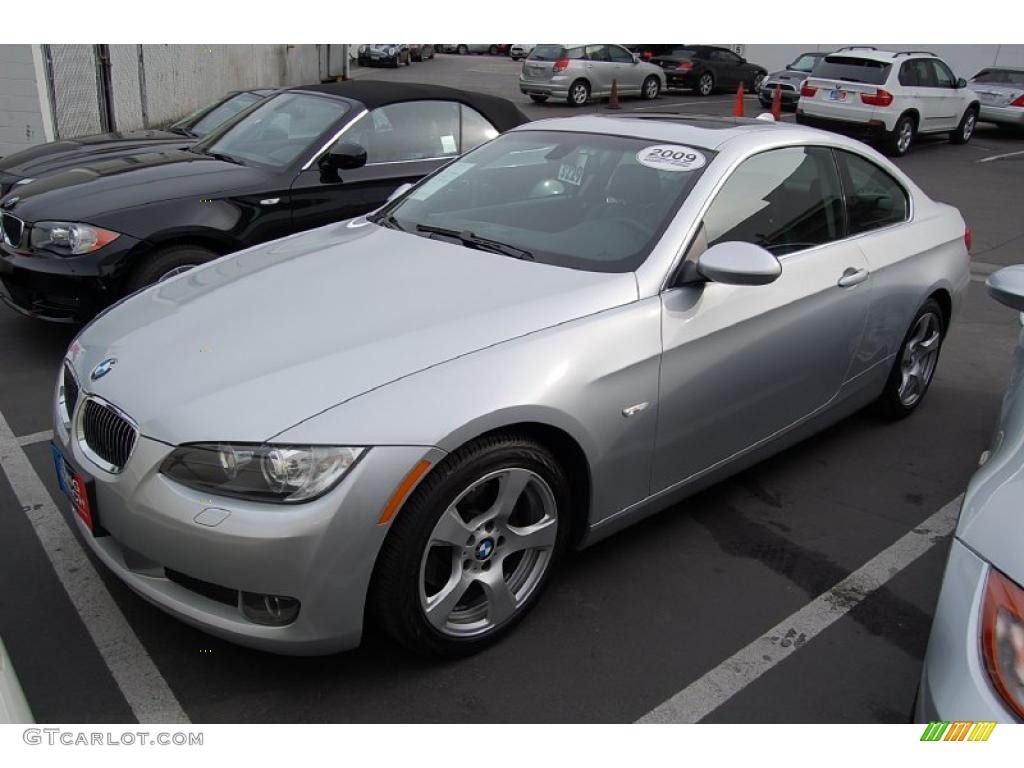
[706,85]
[488,552]
[579,94]
[652,88]
[906,135]
[920,355]
[969,123]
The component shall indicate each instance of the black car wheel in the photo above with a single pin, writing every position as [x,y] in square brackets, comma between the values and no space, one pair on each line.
[706,84]
[474,546]
[758,79]
[166,263]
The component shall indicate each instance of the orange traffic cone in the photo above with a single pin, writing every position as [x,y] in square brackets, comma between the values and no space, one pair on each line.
[737,110]
[613,98]
[777,102]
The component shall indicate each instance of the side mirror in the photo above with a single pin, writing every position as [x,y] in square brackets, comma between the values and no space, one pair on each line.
[961,83]
[737,263]
[344,157]
[636,58]
[400,191]
[1007,286]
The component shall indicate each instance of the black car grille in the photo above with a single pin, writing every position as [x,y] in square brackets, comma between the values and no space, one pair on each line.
[12,228]
[107,434]
[70,391]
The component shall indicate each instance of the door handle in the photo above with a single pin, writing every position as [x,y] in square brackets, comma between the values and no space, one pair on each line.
[852,277]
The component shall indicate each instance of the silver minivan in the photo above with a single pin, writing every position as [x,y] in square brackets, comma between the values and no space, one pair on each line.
[578,73]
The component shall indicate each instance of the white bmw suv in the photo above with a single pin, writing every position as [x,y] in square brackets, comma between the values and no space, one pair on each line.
[888,97]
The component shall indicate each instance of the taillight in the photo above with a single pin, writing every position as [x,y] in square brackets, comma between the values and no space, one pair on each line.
[808,91]
[1018,102]
[880,98]
[968,239]
[685,67]
[560,65]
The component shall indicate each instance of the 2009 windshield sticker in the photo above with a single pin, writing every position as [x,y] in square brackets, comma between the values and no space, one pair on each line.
[671,157]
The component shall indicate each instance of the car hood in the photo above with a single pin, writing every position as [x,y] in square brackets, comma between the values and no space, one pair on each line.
[255,342]
[95,188]
[59,155]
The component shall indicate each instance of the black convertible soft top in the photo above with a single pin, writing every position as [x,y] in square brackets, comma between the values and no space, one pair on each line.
[502,113]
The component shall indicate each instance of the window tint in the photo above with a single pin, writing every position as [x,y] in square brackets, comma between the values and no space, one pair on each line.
[1004,76]
[725,57]
[873,197]
[943,77]
[924,73]
[806,62]
[475,129]
[598,53]
[620,55]
[555,52]
[853,69]
[908,74]
[784,200]
[414,130]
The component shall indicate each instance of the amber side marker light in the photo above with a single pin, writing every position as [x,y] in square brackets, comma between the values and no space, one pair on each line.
[1002,639]
[402,491]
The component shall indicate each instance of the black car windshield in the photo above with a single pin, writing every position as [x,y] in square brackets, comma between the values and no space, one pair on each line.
[1000,77]
[220,114]
[682,53]
[853,69]
[586,201]
[276,132]
[806,62]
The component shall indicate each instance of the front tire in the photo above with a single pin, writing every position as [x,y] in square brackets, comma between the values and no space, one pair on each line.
[579,93]
[167,262]
[965,130]
[493,50]
[473,547]
[651,88]
[915,364]
[898,143]
[706,84]
[758,79]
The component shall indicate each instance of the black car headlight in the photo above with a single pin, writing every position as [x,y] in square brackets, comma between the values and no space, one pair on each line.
[69,238]
[285,474]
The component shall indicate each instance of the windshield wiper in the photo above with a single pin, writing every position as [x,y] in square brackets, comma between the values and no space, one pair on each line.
[225,157]
[182,131]
[472,240]
[388,221]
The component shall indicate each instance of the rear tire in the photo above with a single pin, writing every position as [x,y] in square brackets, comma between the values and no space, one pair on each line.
[898,143]
[167,262]
[965,130]
[915,363]
[706,84]
[434,588]
[538,98]
[579,93]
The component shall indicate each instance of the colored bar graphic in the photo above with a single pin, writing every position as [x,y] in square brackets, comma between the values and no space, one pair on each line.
[960,730]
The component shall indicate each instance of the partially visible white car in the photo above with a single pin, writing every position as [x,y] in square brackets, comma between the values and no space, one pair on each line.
[888,97]
[13,706]
[521,50]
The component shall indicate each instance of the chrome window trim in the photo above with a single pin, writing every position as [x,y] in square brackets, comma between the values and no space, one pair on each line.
[100,462]
[316,155]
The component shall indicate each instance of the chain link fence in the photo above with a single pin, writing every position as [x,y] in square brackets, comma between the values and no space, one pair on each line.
[74,89]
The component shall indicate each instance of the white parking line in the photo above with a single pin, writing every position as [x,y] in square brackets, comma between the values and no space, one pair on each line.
[990,158]
[703,696]
[35,437]
[144,688]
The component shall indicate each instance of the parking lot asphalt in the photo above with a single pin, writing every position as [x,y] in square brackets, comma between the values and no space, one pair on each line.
[625,624]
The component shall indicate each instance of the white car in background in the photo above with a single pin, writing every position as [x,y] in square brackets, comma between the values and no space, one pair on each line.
[888,98]
[1001,93]
[13,706]
[521,50]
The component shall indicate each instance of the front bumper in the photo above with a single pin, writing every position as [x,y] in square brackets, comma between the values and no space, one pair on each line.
[767,93]
[321,552]
[65,290]
[954,683]
[1013,116]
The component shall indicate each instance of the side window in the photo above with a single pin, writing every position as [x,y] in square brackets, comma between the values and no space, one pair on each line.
[620,55]
[874,198]
[925,73]
[575,53]
[908,74]
[598,53]
[414,130]
[784,200]
[475,129]
[943,76]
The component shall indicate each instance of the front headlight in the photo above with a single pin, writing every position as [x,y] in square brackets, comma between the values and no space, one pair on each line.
[275,473]
[391,51]
[362,48]
[1002,638]
[70,239]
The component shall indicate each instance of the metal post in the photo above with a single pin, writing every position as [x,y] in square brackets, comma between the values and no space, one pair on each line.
[51,91]
[346,71]
[142,88]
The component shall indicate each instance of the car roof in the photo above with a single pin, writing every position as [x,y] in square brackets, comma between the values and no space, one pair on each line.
[501,113]
[706,131]
[1000,68]
[873,54]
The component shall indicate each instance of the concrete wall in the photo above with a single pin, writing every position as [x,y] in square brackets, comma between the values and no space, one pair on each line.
[966,60]
[21,119]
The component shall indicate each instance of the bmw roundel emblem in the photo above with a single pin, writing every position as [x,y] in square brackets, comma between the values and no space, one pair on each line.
[103,368]
[484,549]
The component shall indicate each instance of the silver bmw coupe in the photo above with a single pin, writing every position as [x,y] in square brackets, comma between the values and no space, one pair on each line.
[408,417]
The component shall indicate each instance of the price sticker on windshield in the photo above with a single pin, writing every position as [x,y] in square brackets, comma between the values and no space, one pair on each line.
[671,157]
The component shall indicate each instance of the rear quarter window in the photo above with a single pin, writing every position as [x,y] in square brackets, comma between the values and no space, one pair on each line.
[853,69]
[873,197]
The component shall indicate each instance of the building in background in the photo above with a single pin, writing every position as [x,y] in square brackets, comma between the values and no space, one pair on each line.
[50,92]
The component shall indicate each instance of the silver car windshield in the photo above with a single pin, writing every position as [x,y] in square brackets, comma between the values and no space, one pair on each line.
[276,132]
[587,201]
